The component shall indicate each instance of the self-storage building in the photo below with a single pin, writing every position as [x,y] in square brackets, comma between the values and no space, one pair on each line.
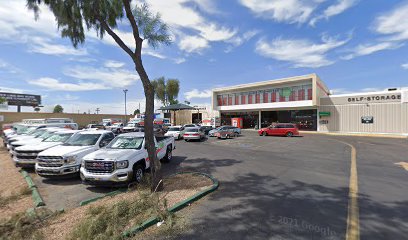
[307,102]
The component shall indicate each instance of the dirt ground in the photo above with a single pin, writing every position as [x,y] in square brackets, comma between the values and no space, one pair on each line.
[176,188]
[14,195]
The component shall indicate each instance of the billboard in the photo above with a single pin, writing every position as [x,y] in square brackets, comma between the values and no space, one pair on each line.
[17,99]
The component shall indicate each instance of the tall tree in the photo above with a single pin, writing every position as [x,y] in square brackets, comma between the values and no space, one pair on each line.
[103,16]
[172,90]
[137,111]
[58,109]
[166,91]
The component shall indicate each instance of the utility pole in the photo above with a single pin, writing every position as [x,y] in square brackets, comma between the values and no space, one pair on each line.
[97,110]
[125,91]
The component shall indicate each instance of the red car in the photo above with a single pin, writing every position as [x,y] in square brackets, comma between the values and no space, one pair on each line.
[280,129]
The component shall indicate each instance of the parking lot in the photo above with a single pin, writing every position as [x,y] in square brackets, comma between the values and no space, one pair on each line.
[281,188]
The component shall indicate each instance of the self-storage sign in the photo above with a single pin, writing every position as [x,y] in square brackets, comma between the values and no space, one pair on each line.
[17,99]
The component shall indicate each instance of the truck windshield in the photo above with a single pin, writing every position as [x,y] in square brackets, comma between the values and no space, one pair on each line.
[126,143]
[31,130]
[82,140]
[59,137]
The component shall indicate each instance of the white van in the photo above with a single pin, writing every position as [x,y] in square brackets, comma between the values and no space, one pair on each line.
[47,120]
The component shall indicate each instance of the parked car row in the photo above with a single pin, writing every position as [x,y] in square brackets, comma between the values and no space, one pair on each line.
[98,156]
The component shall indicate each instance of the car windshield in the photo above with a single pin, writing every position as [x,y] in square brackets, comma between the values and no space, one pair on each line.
[174,129]
[31,130]
[46,135]
[59,137]
[126,142]
[83,140]
[38,133]
[192,130]
[20,129]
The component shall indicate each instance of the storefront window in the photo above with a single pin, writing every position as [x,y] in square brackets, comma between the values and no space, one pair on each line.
[265,97]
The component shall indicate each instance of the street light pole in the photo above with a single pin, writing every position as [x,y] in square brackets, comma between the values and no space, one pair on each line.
[125,91]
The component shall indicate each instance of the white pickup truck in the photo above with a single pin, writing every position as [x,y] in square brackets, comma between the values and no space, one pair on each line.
[123,160]
[25,156]
[66,159]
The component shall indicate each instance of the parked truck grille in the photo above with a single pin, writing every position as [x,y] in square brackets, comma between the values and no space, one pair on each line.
[50,161]
[26,154]
[100,167]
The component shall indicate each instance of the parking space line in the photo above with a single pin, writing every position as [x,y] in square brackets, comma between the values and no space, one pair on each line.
[353,221]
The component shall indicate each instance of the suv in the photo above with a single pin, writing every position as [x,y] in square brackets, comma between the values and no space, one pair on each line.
[280,129]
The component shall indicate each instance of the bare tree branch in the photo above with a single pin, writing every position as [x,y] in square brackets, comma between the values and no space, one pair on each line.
[115,37]
[132,21]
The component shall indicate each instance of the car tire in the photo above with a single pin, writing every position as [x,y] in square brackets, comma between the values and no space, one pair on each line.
[264,133]
[186,140]
[289,134]
[169,154]
[138,173]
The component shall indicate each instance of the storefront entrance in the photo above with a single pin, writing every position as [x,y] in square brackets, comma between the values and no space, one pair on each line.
[304,119]
[250,119]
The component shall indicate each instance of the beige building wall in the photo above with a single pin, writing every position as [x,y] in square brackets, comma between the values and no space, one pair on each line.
[390,114]
[81,119]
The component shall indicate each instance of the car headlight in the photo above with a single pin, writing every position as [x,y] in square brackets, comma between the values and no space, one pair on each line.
[70,160]
[122,164]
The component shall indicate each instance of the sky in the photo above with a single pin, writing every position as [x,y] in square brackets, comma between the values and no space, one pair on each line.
[353,45]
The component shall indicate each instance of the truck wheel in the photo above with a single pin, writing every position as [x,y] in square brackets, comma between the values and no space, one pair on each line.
[289,134]
[169,154]
[264,133]
[138,173]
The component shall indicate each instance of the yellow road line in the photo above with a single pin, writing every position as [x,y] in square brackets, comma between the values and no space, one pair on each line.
[353,218]
[403,165]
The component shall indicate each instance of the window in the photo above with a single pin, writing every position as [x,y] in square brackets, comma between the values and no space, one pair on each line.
[309,94]
[273,96]
[292,95]
[258,98]
[301,94]
[224,101]
[265,97]
[229,100]
[250,99]
[236,99]
[243,100]
[219,100]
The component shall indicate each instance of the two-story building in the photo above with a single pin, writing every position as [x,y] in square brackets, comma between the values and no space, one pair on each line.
[306,101]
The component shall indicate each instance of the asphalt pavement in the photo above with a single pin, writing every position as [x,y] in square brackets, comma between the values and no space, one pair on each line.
[297,188]
[282,188]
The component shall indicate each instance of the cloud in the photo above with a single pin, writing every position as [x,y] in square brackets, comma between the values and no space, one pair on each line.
[239,40]
[289,11]
[300,52]
[404,66]
[54,84]
[113,64]
[110,78]
[44,46]
[179,60]
[12,90]
[335,9]
[394,24]
[367,49]
[193,44]
[6,67]
[189,25]
[195,93]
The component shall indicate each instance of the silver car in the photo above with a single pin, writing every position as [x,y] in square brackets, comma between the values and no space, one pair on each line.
[193,133]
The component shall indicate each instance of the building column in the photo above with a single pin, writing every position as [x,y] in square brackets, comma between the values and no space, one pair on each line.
[259,119]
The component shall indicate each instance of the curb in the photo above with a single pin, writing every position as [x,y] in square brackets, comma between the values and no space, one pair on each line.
[109,194]
[178,206]
[375,135]
[38,201]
